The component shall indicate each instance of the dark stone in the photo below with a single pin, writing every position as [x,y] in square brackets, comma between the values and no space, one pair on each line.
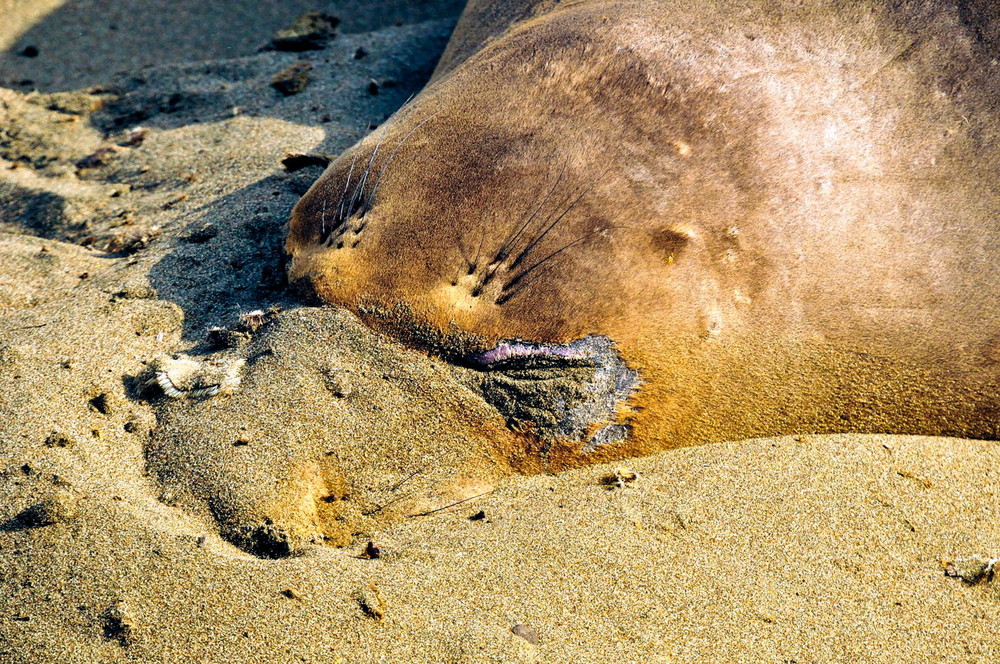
[101,403]
[201,234]
[309,32]
[292,80]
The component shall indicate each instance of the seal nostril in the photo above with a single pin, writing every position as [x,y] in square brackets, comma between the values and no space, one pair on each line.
[340,245]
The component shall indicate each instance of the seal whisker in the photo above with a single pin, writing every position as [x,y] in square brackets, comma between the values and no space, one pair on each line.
[509,243]
[359,190]
[479,251]
[322,225]
[347,185]
[524,273]
[534,242]
[507,295]
[392,155]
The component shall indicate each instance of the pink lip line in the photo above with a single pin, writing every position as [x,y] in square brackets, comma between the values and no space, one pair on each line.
[506,350]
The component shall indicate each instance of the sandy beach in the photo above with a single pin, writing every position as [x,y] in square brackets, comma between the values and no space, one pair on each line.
[345,499]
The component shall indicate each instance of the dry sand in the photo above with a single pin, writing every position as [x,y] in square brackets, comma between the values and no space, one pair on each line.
[233,529]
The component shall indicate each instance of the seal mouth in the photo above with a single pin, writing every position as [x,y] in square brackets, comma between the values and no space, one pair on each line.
[520,354]
[570,392]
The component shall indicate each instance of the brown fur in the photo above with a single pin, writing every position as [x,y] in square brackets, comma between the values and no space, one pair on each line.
[787,214]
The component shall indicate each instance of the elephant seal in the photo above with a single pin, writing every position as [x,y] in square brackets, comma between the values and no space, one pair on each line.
[717,220]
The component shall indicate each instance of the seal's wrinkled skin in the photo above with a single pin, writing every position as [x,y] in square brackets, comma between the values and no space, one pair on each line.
[785,215]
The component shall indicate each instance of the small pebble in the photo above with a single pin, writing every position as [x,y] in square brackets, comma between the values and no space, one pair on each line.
[253,320]
[372,551]
[972,570]
[203,233]
[136,136]
[371,602]
[102,403]
[131,240]
[525,633]
[97,159]
[337,383]
[292,80]
[134,292]
[309,32]
[620,477]
[59,439]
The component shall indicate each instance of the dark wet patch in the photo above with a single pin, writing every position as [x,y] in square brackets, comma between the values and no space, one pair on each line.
[37,212]
[568,392]
[266,540]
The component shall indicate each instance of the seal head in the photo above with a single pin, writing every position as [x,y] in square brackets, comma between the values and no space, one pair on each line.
[749,224]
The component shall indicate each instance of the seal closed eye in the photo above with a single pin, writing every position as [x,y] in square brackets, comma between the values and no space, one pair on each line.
[777,219]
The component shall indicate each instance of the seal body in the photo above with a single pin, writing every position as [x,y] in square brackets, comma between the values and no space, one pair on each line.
[785,216]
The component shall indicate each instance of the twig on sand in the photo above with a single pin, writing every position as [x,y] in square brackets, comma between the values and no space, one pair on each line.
[464,500]
[379,508]
[393,488]
[406,479]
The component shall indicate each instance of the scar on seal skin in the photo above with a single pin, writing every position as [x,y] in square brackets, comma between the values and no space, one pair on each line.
[719,221]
